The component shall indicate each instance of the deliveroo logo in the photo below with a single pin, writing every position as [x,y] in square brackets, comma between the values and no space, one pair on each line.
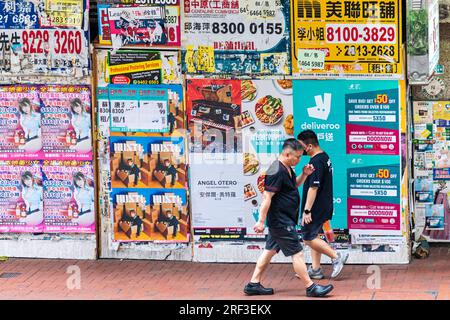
[323,107]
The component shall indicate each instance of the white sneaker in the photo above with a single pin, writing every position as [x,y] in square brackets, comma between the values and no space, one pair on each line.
[338,263]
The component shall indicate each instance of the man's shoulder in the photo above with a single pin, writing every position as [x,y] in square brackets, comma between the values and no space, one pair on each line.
[274,169]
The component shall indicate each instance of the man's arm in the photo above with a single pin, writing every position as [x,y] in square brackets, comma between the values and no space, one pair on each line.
[310,198]
[265,205]
[307,171]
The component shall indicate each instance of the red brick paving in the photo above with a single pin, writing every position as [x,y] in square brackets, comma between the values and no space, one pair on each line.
[115,279]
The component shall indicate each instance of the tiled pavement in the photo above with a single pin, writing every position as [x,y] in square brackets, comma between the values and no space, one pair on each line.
[115,279]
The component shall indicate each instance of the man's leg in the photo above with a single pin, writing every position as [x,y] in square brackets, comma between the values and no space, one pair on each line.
[174,178]
[300,269]
[262,264]
[139,227]
[321,247]
[174,223]
[315,257]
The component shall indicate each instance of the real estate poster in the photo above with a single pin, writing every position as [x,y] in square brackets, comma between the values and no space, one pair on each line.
[69,196]
[128,104]
[236,37]
[21,196]
[66,122]
[20,123]
[367,176]
[344,39]
[44,38]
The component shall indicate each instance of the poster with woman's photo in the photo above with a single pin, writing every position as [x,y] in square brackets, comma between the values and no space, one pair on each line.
[66,122]
[69,196]
[21,196]
[20,123]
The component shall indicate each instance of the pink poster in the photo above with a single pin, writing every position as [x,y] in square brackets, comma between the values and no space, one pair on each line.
[20,123]
[372,140]
[21,196]
[66,122]
[69,197]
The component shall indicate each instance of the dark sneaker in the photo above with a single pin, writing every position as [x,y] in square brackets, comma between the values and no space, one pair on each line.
[338,263]
[315,274]
[316,290]
[253,289]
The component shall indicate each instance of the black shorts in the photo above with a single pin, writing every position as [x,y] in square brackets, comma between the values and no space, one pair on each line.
[284,239]
[311,230]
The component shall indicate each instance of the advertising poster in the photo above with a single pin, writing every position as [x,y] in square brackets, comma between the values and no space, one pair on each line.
[66,122]
[148,162]
[21,196]
[158,215]
[213,110]
[338,38]
[216,187]
[235,180]
[44,37]
[20,123]
[366,179]
[138,67]
[129,103]
[236,37]
[139,23]
[69,196]
[143,67]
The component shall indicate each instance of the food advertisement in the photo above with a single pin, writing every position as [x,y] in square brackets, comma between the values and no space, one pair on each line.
[139,23]
[236,37]
[20,123]
[366,179]
[66,122]
[158,215]
[235,180]
[359,38]
[21,196]
[44,37]
[69,196]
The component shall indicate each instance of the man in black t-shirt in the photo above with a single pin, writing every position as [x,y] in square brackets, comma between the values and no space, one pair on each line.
[317,206]
[281,202]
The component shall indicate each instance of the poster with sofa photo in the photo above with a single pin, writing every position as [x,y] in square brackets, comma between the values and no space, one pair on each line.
[158,215]
[148,162]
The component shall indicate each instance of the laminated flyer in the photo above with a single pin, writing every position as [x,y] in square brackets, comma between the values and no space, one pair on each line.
[139,23]
[20,123]
[69,196]
[21,196]
[66,122]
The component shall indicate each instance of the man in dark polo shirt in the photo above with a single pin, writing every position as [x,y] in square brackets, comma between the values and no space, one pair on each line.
[317,206]
[281,202]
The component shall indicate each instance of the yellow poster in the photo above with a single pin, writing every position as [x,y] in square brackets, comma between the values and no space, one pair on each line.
[441,110]
[360,37]
[64,13]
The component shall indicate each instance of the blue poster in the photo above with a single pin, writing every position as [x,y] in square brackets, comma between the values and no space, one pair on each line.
[357,124]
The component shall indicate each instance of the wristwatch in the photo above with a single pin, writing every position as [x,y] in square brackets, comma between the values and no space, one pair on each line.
[306,211]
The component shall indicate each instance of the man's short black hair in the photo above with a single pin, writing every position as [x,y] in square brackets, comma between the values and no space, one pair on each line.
[292,144]
[308,137]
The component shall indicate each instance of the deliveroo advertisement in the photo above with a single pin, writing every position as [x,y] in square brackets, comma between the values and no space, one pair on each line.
[357,124]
